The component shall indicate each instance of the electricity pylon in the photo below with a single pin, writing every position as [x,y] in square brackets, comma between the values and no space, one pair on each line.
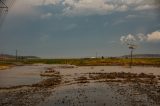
[5,5]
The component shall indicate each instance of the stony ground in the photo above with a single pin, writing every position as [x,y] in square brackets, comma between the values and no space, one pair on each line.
[124,89]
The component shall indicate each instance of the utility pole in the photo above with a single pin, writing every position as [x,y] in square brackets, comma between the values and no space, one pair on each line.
[131,55]
[16,55]
[131,47]
[131,58]
[131,43]
[2,58]
[96,55]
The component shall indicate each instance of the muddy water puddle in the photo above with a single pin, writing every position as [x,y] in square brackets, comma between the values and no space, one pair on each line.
[21,75]
[24,75]
[61,85]
[97,94]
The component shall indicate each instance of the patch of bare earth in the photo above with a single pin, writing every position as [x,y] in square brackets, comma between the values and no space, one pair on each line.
[147,84]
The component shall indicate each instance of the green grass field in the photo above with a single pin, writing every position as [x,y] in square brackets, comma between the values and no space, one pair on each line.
[91,62]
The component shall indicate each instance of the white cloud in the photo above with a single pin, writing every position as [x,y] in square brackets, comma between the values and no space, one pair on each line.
[54,2]
[146,7]
[152,37]
[86,7]
[27,6]
[141,37]
[128,39]
[102,7]
[93,7]
[47,15]
[122,8]
[42,2]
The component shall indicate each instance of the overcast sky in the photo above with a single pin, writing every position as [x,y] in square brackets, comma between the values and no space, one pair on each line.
[80,28]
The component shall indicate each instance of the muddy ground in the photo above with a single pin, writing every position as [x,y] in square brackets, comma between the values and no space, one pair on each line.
[99,88]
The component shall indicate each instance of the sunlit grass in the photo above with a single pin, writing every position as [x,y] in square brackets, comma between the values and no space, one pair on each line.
[90,62]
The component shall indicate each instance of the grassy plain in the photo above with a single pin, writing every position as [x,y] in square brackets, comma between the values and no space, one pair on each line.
[88,62]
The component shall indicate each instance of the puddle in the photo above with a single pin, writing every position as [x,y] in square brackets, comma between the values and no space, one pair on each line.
[95,94]
[21,75]
[79,86]
[24,75]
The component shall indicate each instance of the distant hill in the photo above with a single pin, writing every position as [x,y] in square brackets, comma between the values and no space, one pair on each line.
[30,57]
[2,56]
[143,56]
[7,56]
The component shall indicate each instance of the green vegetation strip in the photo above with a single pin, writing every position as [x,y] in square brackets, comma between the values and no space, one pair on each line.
[90,62]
